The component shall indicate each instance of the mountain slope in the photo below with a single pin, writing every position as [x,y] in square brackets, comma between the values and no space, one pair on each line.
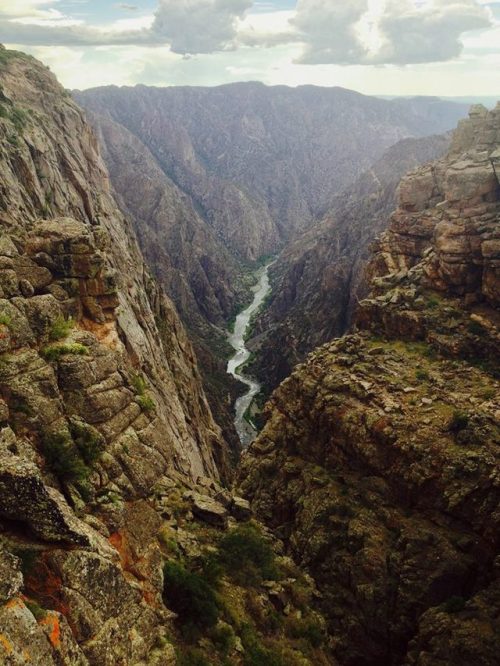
[261,163]
[378,464]
[318,279]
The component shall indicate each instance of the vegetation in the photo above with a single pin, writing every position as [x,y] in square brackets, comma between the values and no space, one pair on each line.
[63,457]
[60,328]
[247,556]
[89,442]
[35,609]
[5,320]
[475,328]
[146,403]
[190,596]
[459,421]
[422,375]
[144,400]
[55,352]
[139,384]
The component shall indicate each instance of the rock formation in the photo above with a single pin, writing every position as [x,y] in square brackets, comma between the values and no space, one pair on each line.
[317,280]
[112,469]
[378,465]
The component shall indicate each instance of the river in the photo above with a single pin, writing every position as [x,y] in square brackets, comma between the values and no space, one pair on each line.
[244,429]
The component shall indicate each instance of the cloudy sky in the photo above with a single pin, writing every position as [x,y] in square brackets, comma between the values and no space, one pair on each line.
[444,47]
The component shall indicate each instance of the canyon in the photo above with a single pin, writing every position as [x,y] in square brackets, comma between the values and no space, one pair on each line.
[360,527]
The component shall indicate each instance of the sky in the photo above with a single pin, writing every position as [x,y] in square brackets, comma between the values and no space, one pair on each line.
[380,47]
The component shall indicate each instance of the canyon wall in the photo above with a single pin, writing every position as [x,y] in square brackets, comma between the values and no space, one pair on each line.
[378,464]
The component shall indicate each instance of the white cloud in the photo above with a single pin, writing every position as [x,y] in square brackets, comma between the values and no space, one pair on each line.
[199,26]
[385,31]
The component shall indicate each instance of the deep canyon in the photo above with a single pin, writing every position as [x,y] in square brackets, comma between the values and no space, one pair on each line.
[341,254]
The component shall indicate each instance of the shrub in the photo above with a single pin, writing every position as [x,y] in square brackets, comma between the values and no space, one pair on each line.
[146,403]
[55,352]
[459,421]
[247,556]
[307,629]
[190,596]
[454,604]
[223,638]
[421,375]
[62,457]
[60,328]
[89,441]
[256,654]
[19,118]
[5,320]
[139,384]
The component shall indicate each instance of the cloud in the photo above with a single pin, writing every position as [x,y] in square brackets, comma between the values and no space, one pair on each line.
[188,26]
[374,32]
[199,26]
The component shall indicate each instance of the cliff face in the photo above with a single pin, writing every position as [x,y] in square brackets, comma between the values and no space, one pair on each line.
[318,279]
[262,163]
[100,394]
[118,543]
[378,465]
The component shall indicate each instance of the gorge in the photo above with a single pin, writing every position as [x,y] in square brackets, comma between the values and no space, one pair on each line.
[359,527]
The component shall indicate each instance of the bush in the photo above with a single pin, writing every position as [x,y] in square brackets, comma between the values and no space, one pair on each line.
[5,320]
[55,352]
[190,596]
[247,556]
[60,328]
[19,119]
[454,604]
[35,609]
[89,441]
[139,384]
[223,638]
[192,657]
[256,654]
[421,375]
[459,421]
[62,457]
[307,629]
[146,403]
[475,328]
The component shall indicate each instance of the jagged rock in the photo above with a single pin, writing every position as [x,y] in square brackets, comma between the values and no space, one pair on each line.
[207,509]
[11,577]
[240,508]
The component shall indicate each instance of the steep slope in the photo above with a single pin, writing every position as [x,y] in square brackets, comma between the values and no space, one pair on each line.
[318,279]
[111,513]
[100,393]
[261,163]
[186,258]
[378,465]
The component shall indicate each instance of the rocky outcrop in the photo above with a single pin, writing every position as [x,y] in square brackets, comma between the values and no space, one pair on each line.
[100,396]
[318,279]
[378,464]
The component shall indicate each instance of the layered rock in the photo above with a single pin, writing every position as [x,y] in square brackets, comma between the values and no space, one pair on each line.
[318,279]
[100,396]
[378,465]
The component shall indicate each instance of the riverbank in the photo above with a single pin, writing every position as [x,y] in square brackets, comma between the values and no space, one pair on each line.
[246,432]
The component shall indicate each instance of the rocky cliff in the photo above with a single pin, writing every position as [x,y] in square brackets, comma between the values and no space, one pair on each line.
[118,542]
[378,465]
[318,279]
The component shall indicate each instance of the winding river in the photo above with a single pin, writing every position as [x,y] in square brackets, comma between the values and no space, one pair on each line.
[244,429]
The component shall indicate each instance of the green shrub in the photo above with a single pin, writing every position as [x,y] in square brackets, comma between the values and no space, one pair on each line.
[459,421]
[247,556]
[190,596]
[5,320]
[223,638]
[35,609]
[62,457]
[139,384]
[307,629]
[89,441]
[19,118]
[55,352]
[454,604]
[60,328]
[256,654]
[422,375]
[146,403]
